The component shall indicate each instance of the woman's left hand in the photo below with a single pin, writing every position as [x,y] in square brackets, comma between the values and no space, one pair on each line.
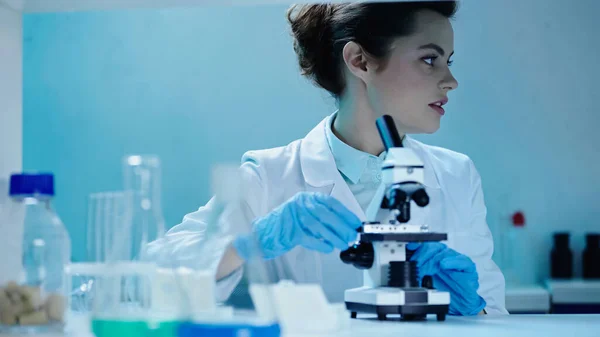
[451,272]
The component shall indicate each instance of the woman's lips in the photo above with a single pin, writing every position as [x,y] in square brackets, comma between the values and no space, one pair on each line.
[438,109]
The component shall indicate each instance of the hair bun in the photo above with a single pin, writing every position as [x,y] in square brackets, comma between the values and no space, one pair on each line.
[311,27]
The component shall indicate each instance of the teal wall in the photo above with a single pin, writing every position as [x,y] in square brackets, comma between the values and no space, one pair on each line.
[201,86]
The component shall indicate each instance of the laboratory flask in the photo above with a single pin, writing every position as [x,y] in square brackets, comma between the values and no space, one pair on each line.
[122,302]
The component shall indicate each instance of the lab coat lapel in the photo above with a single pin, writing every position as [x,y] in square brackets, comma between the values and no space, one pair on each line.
[430,177]
[320,171]
[423,215]
[342,192]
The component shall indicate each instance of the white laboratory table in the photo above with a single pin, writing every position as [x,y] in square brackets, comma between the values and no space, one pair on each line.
[488,326]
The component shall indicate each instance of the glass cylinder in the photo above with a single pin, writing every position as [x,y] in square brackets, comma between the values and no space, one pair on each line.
[142,188]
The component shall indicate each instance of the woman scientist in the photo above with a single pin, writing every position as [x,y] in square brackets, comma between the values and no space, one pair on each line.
[305,200]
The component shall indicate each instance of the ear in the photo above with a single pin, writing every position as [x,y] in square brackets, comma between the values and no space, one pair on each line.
[358,61]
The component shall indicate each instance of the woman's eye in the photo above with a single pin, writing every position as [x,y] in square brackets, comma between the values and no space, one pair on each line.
[450,63]
[429,60]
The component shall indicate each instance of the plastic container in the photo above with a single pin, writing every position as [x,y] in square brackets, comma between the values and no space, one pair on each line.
[249,309]
[36,301]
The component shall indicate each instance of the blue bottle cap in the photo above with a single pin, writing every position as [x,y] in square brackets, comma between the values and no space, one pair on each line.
[31,183]
[228,330]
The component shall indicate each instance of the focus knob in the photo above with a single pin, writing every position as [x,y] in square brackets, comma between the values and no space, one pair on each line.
[359,255]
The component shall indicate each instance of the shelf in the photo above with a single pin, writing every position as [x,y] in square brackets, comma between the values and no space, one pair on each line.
[574,291]
[527,299]
[34,6]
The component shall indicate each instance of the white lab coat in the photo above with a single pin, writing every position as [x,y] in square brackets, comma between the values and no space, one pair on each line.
[272,176]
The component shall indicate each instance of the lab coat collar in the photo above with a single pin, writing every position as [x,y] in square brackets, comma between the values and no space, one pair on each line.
[321,173]
[316,159]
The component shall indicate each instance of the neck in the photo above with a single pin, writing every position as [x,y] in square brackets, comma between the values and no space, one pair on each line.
[355,125]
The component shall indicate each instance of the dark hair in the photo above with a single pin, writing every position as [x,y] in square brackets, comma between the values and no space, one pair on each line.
[321,31]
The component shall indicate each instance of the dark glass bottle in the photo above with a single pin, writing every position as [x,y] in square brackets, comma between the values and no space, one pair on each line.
[561,257]
[591,256]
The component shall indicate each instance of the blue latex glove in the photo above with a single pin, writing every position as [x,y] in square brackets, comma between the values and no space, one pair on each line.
[312,220]
[451,272]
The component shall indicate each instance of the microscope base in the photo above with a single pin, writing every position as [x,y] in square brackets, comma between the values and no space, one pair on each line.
[409,303]
[406,312]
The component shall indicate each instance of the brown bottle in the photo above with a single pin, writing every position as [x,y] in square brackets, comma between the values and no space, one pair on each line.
[561,257]
[591,257]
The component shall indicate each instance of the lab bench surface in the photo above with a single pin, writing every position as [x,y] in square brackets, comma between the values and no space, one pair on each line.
[488,326]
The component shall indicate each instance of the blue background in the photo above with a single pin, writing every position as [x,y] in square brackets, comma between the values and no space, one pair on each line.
[200,86]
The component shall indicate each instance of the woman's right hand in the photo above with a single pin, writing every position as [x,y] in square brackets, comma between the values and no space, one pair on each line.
[312,220]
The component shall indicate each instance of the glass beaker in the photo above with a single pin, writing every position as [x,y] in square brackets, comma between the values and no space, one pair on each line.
[105,218]
[106,214]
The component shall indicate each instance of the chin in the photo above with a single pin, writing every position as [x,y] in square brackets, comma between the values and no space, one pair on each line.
[432,130]
[429,129]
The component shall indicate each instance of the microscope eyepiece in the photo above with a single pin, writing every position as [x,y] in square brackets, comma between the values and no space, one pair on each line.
[388,132]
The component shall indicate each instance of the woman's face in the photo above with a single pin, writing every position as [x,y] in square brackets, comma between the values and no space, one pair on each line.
[414,83]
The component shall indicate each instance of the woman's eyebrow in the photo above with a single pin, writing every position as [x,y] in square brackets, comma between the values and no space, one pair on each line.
[435,47]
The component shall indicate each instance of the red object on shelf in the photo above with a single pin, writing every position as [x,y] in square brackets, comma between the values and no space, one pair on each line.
[518,219]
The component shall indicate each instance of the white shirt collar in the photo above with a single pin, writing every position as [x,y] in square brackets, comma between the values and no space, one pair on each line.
[350,162]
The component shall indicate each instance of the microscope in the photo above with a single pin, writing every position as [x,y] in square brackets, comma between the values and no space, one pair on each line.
[390,279]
